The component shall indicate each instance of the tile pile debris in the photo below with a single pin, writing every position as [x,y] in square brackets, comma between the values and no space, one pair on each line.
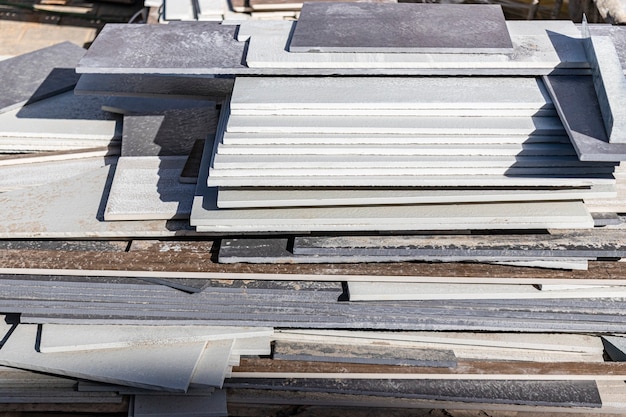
[212,221]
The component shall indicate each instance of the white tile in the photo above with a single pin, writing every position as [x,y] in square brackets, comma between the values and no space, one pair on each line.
[397,125]
[258,138]
[178,10]
[372,291]
[228,161]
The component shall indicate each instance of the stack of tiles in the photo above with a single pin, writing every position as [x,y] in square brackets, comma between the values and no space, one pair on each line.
[399,153]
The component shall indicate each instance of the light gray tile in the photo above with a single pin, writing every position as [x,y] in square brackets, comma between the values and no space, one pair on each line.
[276,94]
[73,208]
[294,197]
[167,367]
[212,366]
[63,116]
[57,338]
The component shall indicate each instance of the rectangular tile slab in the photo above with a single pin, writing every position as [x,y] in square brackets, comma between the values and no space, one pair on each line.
[293,197]
[58,338]
[185,48]
[378,93]
[371,291]
[403,27]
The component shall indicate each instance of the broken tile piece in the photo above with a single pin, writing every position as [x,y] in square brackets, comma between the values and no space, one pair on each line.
[164,367]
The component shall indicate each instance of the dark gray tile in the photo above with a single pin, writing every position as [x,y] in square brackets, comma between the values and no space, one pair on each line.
[401,27]
[39,74]
[155,86]
[580,243]
[575,99]
[536,393]
[615,347]
[173,132]
[173,48]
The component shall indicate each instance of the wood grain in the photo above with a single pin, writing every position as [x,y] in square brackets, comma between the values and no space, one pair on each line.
[268,368]
[196,259]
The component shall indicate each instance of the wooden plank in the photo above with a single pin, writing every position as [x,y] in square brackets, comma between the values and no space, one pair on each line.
[267,368]
[170,263]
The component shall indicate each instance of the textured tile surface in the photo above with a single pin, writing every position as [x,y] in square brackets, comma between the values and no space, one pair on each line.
[553,393]
[37,75]
[382,355]
[148,188]
[73,207]
[159,366]
[403,27]
[189,48]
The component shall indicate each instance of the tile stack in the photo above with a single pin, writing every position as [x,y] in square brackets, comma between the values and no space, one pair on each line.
[109,270]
